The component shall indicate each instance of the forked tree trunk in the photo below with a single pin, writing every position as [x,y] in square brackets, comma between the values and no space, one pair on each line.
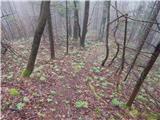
[144,74]
[85,22]
[107,33]
[51,39]
[37,38]
[144,35]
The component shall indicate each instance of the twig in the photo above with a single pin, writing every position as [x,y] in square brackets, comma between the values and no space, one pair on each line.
[134,18]
[116,19]
[143,20]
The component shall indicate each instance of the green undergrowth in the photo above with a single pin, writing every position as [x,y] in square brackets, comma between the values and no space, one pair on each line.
[26,73]
[14,92]
[81,104]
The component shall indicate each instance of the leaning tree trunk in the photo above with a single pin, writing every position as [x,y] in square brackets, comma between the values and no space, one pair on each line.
[37,38]
[103,21]
[107,33]
[144,74]
[85,22]
[144,35]
[51,39]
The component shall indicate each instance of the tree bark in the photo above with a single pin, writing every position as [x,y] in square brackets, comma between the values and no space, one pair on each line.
[85,22]
[51,39]
[37,38]
[144,74]
[77,16]
[124,45]
[67,28]
[76,20]
[144,35]
[107,33]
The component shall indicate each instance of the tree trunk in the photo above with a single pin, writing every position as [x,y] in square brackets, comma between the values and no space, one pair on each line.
[114,34]
[107,33]
[144,35]
[103,22]
[67,28]
[51,39]
[77,16]
[75,31]
[37,38]
[124,45]
[85,22]
[144,74]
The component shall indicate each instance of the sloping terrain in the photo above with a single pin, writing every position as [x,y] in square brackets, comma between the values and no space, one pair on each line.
[72,87]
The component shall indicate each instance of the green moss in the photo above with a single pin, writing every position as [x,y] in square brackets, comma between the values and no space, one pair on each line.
[26,73]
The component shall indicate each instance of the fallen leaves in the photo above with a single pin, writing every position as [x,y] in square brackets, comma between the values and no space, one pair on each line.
[56,87]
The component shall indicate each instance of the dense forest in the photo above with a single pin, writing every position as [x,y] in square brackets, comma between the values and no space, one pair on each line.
[80,60]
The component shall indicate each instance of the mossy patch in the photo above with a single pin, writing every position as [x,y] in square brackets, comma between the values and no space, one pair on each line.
[26,73]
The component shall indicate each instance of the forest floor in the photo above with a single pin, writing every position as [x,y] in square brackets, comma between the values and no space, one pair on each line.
[73,87]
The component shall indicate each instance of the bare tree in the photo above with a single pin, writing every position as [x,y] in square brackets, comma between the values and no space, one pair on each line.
[85,22]
[76,21]
[37,38]
[51,39]
[144,34]
[67,27]
[124,45]
[114,34]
